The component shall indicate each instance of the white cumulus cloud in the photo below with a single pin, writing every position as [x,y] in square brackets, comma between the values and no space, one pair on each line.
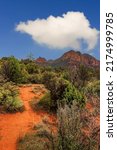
[71,30]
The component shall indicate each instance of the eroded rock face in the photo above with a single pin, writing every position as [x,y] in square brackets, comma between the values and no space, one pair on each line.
[74,57]
[41,60]
[71,58]
[90,60]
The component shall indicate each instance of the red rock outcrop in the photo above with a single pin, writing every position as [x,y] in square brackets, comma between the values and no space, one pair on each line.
[75,57]
[71,58]
[41,60]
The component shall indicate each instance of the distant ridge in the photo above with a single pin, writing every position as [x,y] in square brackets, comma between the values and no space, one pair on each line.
[71,58]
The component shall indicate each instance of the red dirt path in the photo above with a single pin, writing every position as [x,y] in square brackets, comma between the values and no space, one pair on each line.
[13,126]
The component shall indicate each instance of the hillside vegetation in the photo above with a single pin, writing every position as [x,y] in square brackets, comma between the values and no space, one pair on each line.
[69,91]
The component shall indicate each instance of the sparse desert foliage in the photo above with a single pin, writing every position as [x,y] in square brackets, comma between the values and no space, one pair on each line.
[70,93]
[69,133]
[9,100]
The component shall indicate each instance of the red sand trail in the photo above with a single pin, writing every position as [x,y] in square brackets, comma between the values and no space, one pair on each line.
[13,126]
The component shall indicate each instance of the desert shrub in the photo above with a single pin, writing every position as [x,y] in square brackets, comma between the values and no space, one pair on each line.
[9,98]
[65,75]
[34,78]
[47,77]
[26,61]
[92,88]
[32,68]
[31,142]
[97,73]
[56,86]
[30,73]
[2,80]
[81,75]
[45,101]
[45,69]
[70,129]
[24,74]
[13,104]
[71,93]
[11,88]
[69,133]
[42,138]
[61,90]
[11,69]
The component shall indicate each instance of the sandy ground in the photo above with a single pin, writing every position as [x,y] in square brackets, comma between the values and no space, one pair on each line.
[13,126]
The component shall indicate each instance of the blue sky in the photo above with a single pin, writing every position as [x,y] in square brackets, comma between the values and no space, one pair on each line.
[12,12]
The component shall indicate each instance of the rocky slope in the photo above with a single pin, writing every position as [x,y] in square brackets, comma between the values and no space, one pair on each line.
[41,60]
[71,58]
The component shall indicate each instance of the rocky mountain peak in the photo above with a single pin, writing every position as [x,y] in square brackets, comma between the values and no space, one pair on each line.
[71,58]
[41,60]
[72,55]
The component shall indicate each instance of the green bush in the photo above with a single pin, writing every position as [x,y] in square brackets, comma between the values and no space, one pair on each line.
[32,68]
[13,104]
[9,98]
[11,70]
[71,93]
[45,101]
[47,77]
[34,78]
[61,90]
[24,74]
[42,103]
[92,88]
[56,86]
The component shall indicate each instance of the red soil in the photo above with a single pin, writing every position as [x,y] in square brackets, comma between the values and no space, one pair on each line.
[89,107]
[95,120]
[14,126]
